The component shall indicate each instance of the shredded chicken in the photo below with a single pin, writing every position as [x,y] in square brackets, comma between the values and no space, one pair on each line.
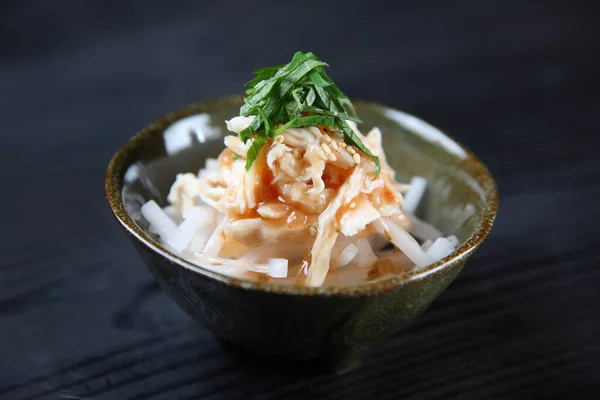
[306,189]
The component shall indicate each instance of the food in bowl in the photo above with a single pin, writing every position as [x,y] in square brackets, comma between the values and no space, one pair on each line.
[299,195]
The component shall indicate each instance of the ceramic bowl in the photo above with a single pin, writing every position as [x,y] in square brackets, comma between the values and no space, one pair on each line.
[336,324]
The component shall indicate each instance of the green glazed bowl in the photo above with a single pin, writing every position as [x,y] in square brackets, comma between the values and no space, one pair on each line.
[337,324]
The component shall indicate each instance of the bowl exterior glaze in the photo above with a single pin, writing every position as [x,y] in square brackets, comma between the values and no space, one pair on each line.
[338,324]
[340,329]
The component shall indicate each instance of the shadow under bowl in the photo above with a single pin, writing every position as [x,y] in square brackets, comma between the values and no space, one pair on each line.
[337,324]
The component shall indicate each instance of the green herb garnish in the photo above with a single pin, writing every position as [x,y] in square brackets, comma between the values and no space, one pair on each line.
[295,95]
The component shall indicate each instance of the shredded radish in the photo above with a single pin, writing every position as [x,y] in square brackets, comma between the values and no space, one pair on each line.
[173,213]
[403,241]
[199,240]
[413,197]
[399,259]
[132,173]
[215,242]
[159,220]
[199,213]
[179,135]
[424,231]
[184,235]
[278,267]
[365,257]
[453,241]
[261,269]
[232,268]
[347,255]
[440,249]
[210,170]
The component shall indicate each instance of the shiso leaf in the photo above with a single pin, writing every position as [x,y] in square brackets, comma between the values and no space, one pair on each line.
[293,95]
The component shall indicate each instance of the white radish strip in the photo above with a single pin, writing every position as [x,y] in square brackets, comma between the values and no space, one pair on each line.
[378,242]
[202,214]
[278,267]
[403,241]
[173,213]
[196,219]
[184,235]
[232,268]
[159,220]
[205,219]
[211,164]
[426,245]
[403,187]
[261,269]
[208,174]
[440,249]
[414,195]
[347,255]
[401,261]
[340,244]
[215,242]
[210,170]
[422,230]
[453,241]
[132,173]
[200,238]
[179,135]
[461,216]
[365,257]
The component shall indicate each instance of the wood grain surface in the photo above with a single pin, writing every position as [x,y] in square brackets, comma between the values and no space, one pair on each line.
[517,81]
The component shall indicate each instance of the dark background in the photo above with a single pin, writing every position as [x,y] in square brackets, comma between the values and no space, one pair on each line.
[515,80]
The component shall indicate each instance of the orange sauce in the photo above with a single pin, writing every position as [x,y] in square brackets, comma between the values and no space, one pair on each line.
[268,192]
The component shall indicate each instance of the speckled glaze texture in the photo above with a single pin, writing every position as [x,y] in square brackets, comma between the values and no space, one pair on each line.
[338,324]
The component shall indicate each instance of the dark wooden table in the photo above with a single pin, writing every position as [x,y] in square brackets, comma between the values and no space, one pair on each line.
[81,317]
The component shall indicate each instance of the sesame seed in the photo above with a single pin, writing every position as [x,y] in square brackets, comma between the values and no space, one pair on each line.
[351,150]
[337,227]
[342,144]
[326,138]
[321,154]
[352,205]
[326,148]
[312,231]
[356,158]
[332,157]
[296,153]
[278,139]
[334,146]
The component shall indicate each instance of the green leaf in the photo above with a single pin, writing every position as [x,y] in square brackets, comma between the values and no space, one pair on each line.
[318,80]
[251,130]
[297,74]
[262,75]
[310,97]
[297,94]
[293,111]
[312,120]
[254,150]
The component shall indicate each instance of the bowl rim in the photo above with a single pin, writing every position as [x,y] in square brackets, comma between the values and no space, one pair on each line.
[124,157]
